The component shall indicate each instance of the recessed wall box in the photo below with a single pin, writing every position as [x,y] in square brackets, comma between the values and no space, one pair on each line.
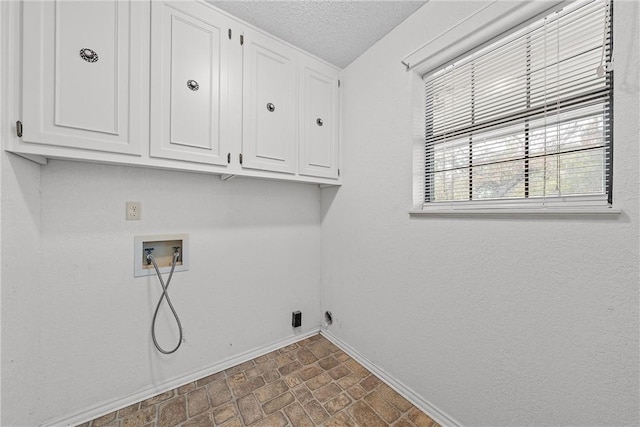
[162,248]
[296,319]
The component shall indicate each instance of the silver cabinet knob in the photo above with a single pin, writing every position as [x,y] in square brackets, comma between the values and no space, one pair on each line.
[271,108]
[89,55]
[319,122]
[193,85]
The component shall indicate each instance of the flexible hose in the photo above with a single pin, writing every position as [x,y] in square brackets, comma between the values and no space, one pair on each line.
[165,295]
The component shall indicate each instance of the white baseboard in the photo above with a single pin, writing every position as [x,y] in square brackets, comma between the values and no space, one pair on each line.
[113,405]
[97,411]
[436,414]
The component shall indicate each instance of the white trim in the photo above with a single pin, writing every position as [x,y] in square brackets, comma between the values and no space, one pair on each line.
[4,107]
[33,157]
[554,205]
[481,26]
[420,55]
[435,413]
[515,212]
[116,404]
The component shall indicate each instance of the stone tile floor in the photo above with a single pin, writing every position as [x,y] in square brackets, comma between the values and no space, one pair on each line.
[309,383]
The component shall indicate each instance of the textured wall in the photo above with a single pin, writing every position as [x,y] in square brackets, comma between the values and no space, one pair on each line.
[76,323]
[20,247]
[495,321]
[510,321]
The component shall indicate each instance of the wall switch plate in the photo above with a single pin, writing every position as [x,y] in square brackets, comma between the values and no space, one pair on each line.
[133,211]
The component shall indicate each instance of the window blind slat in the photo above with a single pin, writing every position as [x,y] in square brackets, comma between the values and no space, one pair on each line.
[580,78]
[538,113]
[574,82]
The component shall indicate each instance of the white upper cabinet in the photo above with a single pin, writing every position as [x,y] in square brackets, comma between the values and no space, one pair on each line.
[319,131]
[85,74]
[189,90]
[172,84]
[269,104]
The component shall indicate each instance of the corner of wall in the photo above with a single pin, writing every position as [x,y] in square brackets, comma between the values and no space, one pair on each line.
[20,280]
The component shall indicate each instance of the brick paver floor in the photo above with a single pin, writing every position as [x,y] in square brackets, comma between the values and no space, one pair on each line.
[309,383]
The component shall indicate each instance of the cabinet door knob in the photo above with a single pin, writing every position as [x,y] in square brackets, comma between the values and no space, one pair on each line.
[319,122]
[193,85]
[89,55]
[271,108]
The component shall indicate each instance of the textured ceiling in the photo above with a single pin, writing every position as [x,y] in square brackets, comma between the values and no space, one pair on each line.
[336,31]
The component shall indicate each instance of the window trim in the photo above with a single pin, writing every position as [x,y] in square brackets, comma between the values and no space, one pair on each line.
[510,212]
[580,205]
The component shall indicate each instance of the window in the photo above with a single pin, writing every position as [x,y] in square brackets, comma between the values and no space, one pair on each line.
[526,121]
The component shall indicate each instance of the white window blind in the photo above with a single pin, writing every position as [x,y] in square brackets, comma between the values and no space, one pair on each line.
[526,121]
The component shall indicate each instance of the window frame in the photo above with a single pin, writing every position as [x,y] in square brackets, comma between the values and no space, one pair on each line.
[557,205]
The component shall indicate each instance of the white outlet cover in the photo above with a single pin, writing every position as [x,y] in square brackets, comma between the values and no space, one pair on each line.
[133,211]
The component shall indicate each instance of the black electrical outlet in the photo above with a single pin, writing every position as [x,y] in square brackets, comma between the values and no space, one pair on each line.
[296,319]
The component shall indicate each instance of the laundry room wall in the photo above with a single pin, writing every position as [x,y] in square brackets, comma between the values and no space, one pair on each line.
[515,320]
[76,323]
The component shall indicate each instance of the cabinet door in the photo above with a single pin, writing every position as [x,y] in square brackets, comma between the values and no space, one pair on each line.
[85,66]
[319,132]
[189,91]
[269,112]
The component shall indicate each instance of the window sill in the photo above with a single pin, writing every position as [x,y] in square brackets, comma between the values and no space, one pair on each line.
[514,212]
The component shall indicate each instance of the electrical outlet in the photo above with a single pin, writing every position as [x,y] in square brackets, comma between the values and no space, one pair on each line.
[133,211]
[296,319]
